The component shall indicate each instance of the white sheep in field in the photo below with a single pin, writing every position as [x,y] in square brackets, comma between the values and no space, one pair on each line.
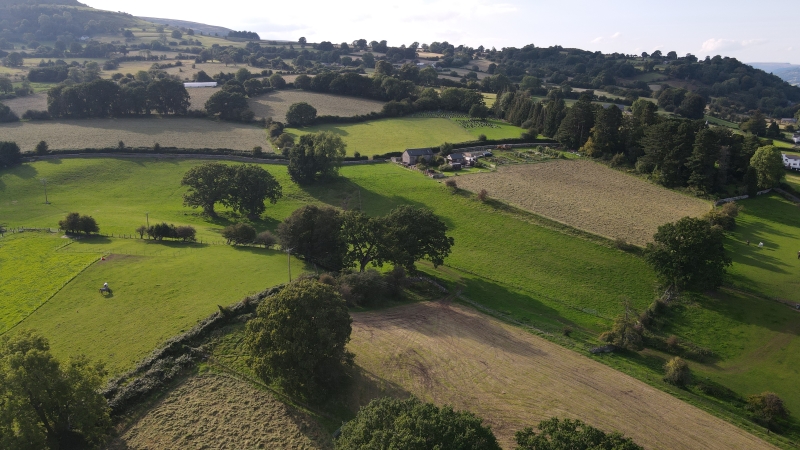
[760,245]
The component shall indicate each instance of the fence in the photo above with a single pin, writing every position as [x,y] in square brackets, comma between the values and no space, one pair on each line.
[741,197]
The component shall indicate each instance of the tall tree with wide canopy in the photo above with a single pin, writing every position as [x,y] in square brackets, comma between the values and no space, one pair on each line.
[577,124]
[249,187]
[316,157]
[314,233]
[414,234]
[768,164]
[208,184]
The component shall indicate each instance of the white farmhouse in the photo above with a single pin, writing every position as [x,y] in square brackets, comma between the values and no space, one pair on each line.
[791,161]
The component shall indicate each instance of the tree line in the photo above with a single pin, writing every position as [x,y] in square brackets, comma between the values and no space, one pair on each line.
[105,98]
[674,152]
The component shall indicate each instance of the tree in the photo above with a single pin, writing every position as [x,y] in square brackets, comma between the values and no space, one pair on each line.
[626,331]
[316,157]
[301,114]
[141,230]
[414,234]
[702,162]
[88,225]
[298,339]
[277,81]
[676,371]
[767,407]
[249,187]
[756,124]
[45,403]
[479,111]
[186,233]
[692,107]
[768,164]
[41,148]
[555,434]
[266,238]
[229,106]
[575,128]
[411,424]
[689,254]
[302,41]
[315,234]
[10,154]
[176,34]
[239,233]
[7,115]
[364,236]
[14,59]
[605,135]
[5,85]
[208,184]
[168,96]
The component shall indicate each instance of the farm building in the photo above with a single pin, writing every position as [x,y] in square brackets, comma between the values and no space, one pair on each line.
[796,138]
[791,161]
[411,155]
[456,158]
[789,121]
[200,85]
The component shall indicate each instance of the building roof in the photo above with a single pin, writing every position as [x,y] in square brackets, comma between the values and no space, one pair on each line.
[419,151]
[791,156]
[456,156]
[201,84]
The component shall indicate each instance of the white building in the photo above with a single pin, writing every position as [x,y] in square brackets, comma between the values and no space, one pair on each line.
[199,85]
[796,138]
[791,161]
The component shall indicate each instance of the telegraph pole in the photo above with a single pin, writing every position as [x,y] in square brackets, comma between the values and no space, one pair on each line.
[44,183]
[289,262]
[147,217]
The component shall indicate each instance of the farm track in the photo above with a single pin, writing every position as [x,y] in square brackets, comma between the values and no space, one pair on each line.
[450,354]
[212,411]
[588,196]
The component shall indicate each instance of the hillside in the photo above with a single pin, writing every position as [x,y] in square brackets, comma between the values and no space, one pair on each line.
[197,27]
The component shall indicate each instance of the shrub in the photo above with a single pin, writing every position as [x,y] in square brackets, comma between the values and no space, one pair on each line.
[41,148]
[239,233]
[451,183]
[157,147]
[328,279]
[767,407]
[33,114]
[567,331]
[724,217]
[257,151]
[141,231]
[10,154]
[676,371]
[626,332]
[483,195]
[672,342]
[6,115]
[363,288]
[617,160]
[185,233]
[76,223]
[266,238]
[121,145]
[482,137]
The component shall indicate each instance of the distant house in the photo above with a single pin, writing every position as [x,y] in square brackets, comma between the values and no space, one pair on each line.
[791,161]
[789,121]
[411,155]
[796,138]
[456,158]
[200,85]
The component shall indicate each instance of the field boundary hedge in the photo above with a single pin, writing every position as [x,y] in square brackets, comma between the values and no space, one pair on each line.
[213,154]
[177,354]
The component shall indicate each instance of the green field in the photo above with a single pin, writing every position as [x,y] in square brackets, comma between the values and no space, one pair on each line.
[514,263]
[396,135]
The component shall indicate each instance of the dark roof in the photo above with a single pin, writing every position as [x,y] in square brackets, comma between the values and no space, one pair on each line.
[791,156]
[456,156]
[418,151]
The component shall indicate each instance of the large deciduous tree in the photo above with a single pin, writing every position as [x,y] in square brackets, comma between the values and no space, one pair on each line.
[314,233]
[298,339]
[249,187]
[168,96]
[365,237]
[228,105]
[316,157]
[689,254]
[561,434]
[208,184]
[10,154]
[414,234]
[301,114]
[412,424]
[768,164]
[45,403]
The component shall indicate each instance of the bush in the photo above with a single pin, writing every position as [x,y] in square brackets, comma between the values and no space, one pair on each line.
[33,114]
[676,371]
[482,137]
[239,233]
[483,195]
[186,233]
[724,217]
[266,238]
[257,151]
[767,408]
[451,183]
[75,223]
[617,160]
[6,115]
[41,148]
[363,288]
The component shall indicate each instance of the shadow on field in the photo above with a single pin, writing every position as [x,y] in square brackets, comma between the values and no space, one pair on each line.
[751,255]
[226,218]
[771,208]
[343,193]
[365,386]
[752,310]
[53,161]
[25,171]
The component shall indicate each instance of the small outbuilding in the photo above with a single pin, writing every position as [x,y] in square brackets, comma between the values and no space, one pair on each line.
[411,155]
[791,161]
[200,85]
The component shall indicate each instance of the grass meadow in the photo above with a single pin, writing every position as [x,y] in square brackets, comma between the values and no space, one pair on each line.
[396,135]
[512,263]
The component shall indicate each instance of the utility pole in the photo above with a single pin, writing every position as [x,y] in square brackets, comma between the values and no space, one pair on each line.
[289,262]
[44,183]
[147,217]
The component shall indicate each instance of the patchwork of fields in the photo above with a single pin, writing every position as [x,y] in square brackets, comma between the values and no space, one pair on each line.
[141,132]
[589,196]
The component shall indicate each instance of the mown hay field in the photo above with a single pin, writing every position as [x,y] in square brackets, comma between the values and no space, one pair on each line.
[275,104]
[589,196]
[139,132]
[21,104]
[449,354]
[212,411]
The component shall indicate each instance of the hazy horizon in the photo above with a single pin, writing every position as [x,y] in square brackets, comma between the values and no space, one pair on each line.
[701,28]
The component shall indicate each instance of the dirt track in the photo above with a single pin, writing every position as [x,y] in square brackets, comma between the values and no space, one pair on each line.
[450,354]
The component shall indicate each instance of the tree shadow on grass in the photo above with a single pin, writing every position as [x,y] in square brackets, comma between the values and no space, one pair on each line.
[24,171]
[772,208]
[54,161]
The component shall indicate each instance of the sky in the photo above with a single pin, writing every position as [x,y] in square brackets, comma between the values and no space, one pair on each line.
[750,32]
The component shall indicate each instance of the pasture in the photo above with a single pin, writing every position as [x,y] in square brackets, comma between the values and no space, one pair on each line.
[588,196]
[21,104]
[137,132]
[396,135]
[240,416]
[275,104]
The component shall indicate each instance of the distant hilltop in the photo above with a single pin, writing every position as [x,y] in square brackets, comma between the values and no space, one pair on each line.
[206,29]
[789,73]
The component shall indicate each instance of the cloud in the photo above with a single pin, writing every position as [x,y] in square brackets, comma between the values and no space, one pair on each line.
[727,45]
[600,39]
